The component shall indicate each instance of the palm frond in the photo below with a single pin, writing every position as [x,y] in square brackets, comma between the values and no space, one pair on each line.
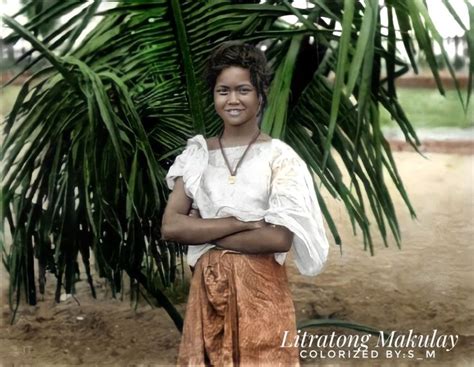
[92,134]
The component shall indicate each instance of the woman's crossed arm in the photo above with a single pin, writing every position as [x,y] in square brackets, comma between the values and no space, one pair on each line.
[229,233]
[178,226]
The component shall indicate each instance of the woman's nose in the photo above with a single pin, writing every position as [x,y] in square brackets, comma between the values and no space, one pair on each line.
[233,98]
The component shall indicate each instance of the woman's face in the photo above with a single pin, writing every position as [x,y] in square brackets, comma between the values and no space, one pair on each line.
[235,98]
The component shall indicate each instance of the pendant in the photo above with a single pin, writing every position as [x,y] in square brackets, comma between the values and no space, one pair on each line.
[231,179]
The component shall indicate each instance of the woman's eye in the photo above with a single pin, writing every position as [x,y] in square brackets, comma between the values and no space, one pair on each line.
[224,92]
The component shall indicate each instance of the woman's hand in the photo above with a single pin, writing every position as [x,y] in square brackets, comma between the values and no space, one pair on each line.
[194,213]
[268,238]
[257,224]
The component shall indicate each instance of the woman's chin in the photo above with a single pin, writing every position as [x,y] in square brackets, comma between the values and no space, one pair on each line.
[238,121]
[234,123]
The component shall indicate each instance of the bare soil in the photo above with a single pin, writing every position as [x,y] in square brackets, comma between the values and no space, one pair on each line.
[426,285]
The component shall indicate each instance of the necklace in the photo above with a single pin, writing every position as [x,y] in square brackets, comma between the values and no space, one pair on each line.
[233,172]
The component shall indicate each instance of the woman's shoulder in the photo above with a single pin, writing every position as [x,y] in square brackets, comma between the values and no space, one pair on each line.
[212,143]
[264,137]
[197,141]
[282,150]
[195,148]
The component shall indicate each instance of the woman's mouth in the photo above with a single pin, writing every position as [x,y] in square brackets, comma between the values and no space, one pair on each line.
[234,112]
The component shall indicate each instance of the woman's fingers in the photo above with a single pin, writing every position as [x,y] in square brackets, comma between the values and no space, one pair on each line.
[194,213]
[259,224]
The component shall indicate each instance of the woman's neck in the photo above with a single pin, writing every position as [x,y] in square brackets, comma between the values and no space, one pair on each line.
[237,135]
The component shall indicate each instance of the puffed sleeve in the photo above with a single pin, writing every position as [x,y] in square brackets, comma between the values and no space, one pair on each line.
[293,204]
[189,165]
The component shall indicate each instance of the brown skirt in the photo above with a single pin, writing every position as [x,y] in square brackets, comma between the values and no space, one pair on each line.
[238,310]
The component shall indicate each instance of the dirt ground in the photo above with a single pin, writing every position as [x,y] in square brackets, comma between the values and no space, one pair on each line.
[426,285]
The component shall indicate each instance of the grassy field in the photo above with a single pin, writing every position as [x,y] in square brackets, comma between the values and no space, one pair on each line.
[424,107]
[427,108]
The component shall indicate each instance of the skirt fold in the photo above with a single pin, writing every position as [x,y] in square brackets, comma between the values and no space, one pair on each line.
[239,308]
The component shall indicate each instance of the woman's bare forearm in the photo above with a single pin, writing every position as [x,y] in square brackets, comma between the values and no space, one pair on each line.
[183,224]
[195,231]
[268,239]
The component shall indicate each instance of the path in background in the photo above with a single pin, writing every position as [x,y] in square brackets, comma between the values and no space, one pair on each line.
[434,140]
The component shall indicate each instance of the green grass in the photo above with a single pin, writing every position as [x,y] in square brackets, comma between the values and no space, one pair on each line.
[427,108]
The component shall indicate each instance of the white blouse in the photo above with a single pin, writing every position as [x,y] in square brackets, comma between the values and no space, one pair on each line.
[272,183]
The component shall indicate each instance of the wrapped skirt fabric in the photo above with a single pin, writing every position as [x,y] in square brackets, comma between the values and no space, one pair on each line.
[238,311]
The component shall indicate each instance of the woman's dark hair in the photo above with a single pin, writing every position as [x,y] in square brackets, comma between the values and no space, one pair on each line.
[244,55]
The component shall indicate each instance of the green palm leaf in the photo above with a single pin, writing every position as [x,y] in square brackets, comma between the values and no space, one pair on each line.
[91,135]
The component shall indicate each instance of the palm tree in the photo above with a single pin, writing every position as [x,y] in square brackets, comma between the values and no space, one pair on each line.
[90,137]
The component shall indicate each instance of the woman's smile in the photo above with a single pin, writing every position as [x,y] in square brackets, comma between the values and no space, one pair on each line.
[234,112]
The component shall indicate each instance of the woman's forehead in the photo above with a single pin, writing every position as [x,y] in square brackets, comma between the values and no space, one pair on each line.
[234,75]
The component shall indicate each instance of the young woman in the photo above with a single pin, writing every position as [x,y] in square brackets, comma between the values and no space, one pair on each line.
[241,200]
